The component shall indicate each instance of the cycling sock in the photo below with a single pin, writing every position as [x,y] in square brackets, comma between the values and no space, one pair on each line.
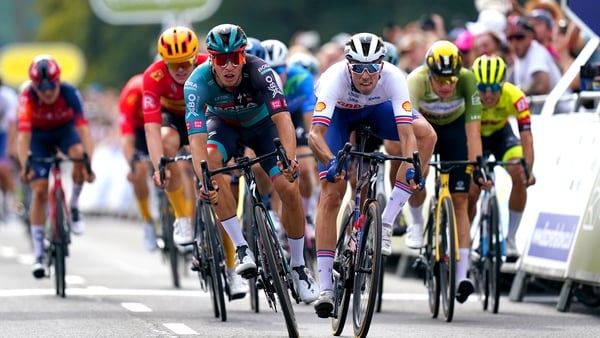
[37,237]
[177,199]
[229,249]
[232,227]
[325,266]
[144,206]
[76,191]
[297,251]
[416,214]
[398,198]
[514,219]
[462,266]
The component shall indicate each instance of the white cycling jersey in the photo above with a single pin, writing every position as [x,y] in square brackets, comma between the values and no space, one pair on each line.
[9,103]
[334,89]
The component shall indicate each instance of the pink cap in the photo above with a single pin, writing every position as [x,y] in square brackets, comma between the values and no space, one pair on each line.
[464,41]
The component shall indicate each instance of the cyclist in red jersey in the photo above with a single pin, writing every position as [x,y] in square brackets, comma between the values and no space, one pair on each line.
[51,117]
[164,117]
[135,148]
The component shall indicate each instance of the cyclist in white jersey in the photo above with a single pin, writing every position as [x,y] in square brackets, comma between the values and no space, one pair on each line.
[364,89]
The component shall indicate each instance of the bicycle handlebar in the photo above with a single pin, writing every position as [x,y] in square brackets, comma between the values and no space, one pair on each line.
[162,164]
[56,159]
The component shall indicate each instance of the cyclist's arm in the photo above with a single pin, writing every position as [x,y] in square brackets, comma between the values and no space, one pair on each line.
[24,126]
[86,138]
[472,114]
[196,97]
[523,116]
[198,150]
[286,132]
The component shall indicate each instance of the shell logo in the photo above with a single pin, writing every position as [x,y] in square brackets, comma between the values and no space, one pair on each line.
[320,106]
[407,106]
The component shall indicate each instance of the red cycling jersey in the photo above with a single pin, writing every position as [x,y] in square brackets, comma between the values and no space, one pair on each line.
[130,105]
[161,92]
[33,113]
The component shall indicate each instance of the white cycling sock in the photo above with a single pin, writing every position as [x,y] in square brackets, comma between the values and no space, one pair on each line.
[76,191]
[297,251]
[462,266]
[325,266]
[398,198]
[232,227]
[514,219]
[416,214]
[37,237]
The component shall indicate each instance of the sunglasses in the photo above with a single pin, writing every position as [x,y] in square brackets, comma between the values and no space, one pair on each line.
[517,37]
[494,88]
[45,85]
[445,79]
[221,60]
[183,65]
[359,68]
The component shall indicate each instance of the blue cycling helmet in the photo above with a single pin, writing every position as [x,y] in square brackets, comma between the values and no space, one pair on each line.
[226,38]
[391,53]
[255,48]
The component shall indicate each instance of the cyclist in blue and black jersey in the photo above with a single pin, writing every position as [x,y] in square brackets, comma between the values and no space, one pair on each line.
[298,88]
[234,99]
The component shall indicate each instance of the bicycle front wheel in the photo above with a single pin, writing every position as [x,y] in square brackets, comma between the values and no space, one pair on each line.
[250,235]
[61,241]
[367,270]
[494,255]
[432,275]
[276,268]
[215,257]
[447,263]
[343,273]
[167,218]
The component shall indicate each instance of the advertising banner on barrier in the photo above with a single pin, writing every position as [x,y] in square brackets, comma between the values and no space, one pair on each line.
[567,163]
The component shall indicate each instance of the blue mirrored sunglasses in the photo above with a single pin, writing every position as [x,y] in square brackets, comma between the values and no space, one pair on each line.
[359,68]
[494,88]
[45,85]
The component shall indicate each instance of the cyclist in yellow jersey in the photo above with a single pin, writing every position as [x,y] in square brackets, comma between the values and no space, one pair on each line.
[500,101]
[445,94]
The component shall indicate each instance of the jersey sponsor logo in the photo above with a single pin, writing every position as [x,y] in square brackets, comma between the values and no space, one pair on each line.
[320,106]
[157,75]
[521,105]
[277,104]
[191,105]
[273,86]
[373,98]
[198,124]
[349,105]
[149,102]
[406,106]
[262,68]
[475,99]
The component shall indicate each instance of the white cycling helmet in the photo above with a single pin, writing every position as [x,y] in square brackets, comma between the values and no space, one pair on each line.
[306,60]
[365,48]
[276,52]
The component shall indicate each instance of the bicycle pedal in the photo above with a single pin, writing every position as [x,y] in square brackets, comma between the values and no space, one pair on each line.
[248,274]
[324,313]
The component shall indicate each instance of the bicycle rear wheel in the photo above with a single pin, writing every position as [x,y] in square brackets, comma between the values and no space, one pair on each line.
[367,271]
[447,263]
[343,272]
[276,268]
[494,254]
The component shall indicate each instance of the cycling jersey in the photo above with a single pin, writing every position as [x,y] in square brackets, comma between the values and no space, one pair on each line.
[9,103]
[130,106]
[464,100]
[257,97]
[300,97]
[33,113]
[162,93]
[512,102]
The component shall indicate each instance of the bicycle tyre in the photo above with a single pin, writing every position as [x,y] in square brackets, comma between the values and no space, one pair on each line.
[60,239]
[215,260]
[344,272]
[276,268]
[380,286]
[432,276]
[447,263]
[367,271]
[167,218]
[495,254]
[251,237]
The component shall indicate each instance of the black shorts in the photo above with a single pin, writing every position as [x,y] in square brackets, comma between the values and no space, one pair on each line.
[176,122]
[452,146]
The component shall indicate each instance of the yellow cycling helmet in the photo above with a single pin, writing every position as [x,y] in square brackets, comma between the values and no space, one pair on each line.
[177,44]
[443,59]
[489,70]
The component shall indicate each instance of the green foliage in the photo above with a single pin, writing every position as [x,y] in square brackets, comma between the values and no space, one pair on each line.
[114,53]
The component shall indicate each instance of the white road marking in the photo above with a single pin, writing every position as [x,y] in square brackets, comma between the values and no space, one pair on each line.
[8,252]
[103,291]
[74,280]
[136,307]
[179,328]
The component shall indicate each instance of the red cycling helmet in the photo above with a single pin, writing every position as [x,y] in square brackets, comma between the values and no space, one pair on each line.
[44,70]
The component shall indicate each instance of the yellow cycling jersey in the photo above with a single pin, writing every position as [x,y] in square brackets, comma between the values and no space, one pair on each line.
[512,102]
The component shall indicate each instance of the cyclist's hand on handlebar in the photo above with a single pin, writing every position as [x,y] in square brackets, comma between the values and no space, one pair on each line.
[331,174]
[481,179]
[291,173]
[531,180]
[157,181]
[410,179]
[90,177]
[26,177]
[212,196]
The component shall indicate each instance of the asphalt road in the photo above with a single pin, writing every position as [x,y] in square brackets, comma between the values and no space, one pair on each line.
[117,289]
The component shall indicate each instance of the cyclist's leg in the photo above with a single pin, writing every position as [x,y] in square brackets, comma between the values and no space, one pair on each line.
[71,145]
